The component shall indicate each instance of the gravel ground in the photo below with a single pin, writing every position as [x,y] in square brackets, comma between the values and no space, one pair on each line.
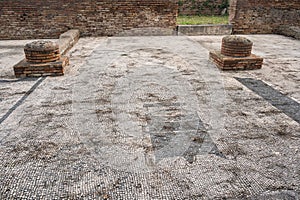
[152,118]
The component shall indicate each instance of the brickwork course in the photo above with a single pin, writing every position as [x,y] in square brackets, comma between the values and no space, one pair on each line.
[236,46]
[36,19]
[48,19]
[236,54]
[267,16]
[43,58]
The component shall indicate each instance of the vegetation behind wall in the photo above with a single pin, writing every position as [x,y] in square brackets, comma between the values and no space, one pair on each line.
[203,7]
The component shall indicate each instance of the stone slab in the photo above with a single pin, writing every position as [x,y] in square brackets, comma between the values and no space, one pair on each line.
[193,30]
[67,40]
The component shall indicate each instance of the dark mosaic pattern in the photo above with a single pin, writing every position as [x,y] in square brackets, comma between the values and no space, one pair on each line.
[20,101]
[284,103]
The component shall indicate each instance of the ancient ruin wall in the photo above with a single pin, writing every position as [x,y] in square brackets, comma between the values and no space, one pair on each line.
[264,16]
[21,19]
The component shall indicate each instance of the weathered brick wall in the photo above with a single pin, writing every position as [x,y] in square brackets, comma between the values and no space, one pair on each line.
[21,19]
[203,7]
[264,16]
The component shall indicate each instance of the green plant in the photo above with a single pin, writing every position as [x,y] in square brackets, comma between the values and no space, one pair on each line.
[212,5]
[225,4]
[197,20]
[180,3]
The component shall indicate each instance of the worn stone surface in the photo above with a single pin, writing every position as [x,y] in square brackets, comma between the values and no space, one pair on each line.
[67,40]
[194,30]
[284,103]
[150,118]
[41,46]
[41,51]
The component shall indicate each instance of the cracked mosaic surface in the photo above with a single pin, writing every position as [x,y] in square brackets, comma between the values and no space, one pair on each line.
[151,118]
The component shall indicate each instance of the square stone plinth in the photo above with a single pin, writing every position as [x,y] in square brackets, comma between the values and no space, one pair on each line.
[235,63]
[26,69]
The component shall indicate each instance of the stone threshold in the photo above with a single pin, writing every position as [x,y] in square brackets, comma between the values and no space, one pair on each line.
[194,30]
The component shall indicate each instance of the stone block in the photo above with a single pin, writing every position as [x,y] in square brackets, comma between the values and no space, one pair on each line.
[67,40]
[204,29]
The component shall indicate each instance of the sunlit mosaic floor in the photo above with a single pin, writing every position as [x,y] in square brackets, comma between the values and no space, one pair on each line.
[152,118]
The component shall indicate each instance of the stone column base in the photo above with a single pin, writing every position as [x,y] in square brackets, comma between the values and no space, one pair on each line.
[235,63]
[26,69]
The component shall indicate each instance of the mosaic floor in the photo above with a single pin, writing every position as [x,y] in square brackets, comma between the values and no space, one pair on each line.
[152,118]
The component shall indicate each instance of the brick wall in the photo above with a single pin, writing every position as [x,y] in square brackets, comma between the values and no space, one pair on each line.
[21,19]
[264,16]
[203,7]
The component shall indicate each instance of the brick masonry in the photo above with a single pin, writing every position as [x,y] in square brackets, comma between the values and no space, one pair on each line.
[236,46]
[48,19]
[264,16]
[27,69]
[236,54]
[34,66]
[234,63]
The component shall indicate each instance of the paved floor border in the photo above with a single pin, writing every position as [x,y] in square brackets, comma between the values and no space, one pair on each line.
[282,102]
[21,100]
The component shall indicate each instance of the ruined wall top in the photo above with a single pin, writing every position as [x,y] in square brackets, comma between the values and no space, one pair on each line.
[264,16]
[48,19]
